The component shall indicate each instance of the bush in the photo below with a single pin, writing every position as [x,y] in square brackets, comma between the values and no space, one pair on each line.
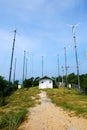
[3,90]
[15,85]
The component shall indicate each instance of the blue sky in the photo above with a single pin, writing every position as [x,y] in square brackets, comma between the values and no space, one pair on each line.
[42,31]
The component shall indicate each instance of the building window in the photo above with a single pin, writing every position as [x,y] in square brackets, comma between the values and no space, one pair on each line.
[42,81]
[49,81]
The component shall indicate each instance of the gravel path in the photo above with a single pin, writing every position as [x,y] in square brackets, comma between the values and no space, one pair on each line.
[47,116]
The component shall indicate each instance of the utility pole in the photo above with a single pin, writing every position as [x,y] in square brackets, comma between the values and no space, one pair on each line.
[12,58]
[65,64]
[23,66]
[77,66]
[42,66]
[14,70]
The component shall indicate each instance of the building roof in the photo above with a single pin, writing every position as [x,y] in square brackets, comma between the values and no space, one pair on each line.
[46,77]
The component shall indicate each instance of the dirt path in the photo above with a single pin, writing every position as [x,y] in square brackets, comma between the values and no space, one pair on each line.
[47,116]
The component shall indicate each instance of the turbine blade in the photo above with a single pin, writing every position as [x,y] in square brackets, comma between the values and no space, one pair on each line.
[77,24]
[69,25]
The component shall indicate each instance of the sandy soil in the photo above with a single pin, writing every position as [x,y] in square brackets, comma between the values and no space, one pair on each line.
[47,116]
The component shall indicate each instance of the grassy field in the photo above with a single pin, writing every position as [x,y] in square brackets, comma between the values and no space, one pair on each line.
[12,114]
[70,100]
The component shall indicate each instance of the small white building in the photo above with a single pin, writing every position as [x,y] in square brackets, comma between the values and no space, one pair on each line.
[45,82]
[19,86]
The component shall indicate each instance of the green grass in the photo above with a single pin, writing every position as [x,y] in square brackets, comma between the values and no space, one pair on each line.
[11,120]
[12,114]
[69,99]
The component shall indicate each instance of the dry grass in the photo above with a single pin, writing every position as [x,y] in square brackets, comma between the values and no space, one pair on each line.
[12,113]
[70,100]
[22,98]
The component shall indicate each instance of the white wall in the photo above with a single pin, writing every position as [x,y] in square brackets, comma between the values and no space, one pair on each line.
[45,83]
[19,86]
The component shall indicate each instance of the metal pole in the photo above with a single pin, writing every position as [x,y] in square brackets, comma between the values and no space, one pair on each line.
[12,58]
[65,64]
[14,70]
[77,66]
[26,68]
[23,66]
[62,73]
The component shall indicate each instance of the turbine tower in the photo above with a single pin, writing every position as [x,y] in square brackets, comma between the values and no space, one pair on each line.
[76,55]
[12,57]
[65,64]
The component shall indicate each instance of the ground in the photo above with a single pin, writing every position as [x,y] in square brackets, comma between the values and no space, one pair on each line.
[47,116]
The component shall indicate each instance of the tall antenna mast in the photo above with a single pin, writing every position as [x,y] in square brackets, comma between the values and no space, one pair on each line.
[12,58]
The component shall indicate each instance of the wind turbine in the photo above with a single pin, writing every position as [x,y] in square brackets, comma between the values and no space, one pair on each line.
[73,27]
[74,37]
[13,46]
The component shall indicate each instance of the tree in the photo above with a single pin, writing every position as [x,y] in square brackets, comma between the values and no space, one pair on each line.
[15,85]
[3,90]
[83,82]
[36,81]
[28,82]
[59,79]
[72,78]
